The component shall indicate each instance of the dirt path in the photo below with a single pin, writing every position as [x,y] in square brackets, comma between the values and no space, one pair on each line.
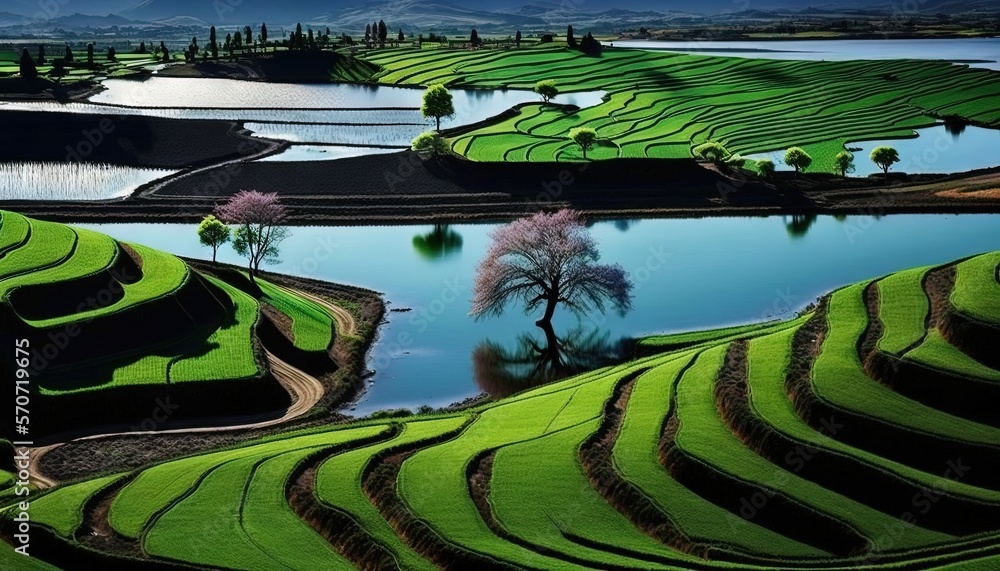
[346,324]
[304,389]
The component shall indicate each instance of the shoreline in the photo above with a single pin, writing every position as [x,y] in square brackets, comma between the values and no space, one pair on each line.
[400,188]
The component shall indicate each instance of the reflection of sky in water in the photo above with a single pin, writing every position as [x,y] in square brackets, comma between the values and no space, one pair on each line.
[987,49]
[936,150]
[689,274]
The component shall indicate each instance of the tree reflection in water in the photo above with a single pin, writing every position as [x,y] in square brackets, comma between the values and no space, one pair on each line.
[440,242]
[502,371]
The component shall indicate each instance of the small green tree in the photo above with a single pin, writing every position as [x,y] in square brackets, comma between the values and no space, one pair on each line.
[547,89]
[765,168]
[430,144]
[213,232]
[712,151]
[844,161]
[884,157]
[437,103]
[585,137]
[798,159]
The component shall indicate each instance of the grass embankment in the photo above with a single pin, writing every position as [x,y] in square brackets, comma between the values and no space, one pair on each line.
[118,326]
[767,447]
[662,104]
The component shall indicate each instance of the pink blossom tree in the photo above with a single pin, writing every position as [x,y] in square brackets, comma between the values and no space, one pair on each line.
[257,217]
[545,260]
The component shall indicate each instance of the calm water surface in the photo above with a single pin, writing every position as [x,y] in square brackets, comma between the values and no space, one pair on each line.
[986,50]
[689,274]
[940,149]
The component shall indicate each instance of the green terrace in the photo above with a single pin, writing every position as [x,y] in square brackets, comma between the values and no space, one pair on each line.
[662,104]
[113,323]
[811,443]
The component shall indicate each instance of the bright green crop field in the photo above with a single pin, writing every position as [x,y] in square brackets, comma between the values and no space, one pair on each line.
[661,104]
[676,460]
[61,285]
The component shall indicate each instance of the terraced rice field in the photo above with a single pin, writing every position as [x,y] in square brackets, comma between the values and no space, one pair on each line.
[860,435]
[312,327]
[662,104]
[121,325]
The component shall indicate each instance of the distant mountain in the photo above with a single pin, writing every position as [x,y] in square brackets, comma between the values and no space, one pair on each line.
[87,21]
[183,22]
[243,12]
[8,19]
[446,16]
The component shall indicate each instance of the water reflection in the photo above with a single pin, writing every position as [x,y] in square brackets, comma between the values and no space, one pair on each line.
[799,225]
[625,225]
[440,242]
[955,126]
[536,359]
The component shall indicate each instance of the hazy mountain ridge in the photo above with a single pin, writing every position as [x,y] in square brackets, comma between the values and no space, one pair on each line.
[437,15]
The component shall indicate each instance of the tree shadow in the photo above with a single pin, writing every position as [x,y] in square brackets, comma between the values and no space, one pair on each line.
[439,243]
[536,360]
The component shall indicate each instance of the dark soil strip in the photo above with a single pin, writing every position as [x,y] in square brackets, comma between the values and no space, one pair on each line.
[96,531]
[379,483]
[859,480]
[966,397]
[338,527]
[980,465]
[761,505]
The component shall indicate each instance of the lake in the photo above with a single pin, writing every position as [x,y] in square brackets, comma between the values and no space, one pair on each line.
[985,50]
[689,274]
[938,149]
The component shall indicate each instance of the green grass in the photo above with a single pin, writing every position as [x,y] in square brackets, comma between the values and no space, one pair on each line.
[227,508]
[673,341]
[49,245]
[338,483]
[903,309]
[702,522]
[312,326]
[62,509]
[704,435]
[218,508]
[976,288]
[271,524]
[839,379]
[935,351]
[93,253]
[14,230]
[231,355]
[539,489]
[768,357]
[662,104]
[160,486]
